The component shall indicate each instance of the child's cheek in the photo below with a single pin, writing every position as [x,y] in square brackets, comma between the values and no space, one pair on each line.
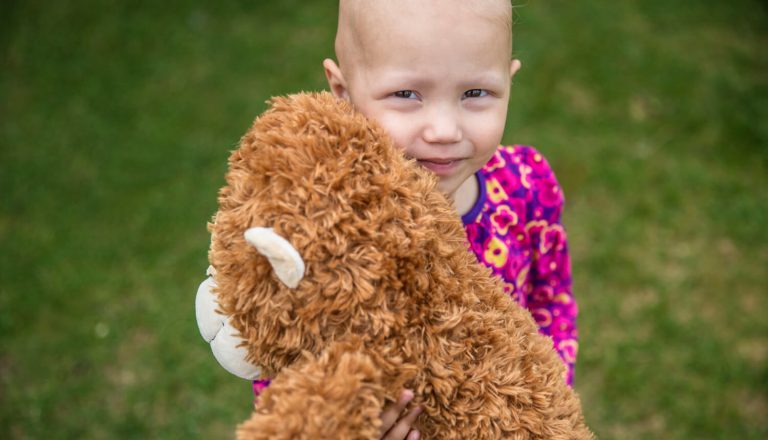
[486,129]
[400,130]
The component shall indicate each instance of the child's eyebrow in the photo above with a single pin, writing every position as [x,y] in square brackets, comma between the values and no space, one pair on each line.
[486,80]
[398,78]
[410,79]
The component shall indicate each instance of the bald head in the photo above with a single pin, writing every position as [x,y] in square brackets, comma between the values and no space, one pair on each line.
[365,26]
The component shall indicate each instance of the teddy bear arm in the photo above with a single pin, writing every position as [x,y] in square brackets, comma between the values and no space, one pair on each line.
[337,395]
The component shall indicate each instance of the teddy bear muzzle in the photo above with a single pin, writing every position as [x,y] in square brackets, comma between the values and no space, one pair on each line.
[226,343]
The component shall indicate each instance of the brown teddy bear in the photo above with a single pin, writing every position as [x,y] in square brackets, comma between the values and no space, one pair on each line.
[348,278]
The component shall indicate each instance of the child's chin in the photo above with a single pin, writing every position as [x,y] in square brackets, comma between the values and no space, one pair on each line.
[448,186]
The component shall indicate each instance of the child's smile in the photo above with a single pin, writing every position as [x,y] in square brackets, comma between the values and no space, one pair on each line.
[441,166]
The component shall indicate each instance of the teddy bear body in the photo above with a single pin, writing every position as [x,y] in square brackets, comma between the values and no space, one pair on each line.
[390,298]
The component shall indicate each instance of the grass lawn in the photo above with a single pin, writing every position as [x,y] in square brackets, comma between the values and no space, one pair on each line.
[116,119]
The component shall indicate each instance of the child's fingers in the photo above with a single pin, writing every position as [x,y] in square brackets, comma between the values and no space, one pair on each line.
[403,427]
[393,410]
[414,435]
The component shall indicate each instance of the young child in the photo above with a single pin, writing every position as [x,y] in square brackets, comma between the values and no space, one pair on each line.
[436,74]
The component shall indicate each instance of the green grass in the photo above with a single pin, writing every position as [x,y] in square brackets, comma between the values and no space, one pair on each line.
[116,119]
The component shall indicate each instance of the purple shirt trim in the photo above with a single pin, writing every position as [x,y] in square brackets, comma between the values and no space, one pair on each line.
[471,215]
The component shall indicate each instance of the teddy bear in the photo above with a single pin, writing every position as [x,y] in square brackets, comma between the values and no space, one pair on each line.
[339,271]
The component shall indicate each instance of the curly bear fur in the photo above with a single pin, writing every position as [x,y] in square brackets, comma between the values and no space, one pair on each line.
[391,297]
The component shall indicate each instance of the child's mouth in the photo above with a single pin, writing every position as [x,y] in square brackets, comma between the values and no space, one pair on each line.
[441,167]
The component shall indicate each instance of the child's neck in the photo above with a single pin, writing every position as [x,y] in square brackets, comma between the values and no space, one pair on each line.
[466,195]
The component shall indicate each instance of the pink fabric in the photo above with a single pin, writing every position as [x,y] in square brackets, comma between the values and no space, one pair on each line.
[514,228]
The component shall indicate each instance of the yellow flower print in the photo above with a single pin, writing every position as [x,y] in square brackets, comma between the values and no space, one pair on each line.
[522,275]
[535,224]
[495,192]
[525,171]
[550,236]
[546,232]
[542,316]
[497,162]
[503,218]
[568,349]
[497,253]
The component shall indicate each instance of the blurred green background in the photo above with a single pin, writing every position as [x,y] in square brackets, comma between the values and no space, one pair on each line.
[116,119]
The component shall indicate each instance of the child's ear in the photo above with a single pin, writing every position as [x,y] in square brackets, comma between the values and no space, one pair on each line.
[514,66]
[335,78]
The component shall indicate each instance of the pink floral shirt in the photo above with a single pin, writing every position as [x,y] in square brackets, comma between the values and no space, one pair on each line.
[514,228]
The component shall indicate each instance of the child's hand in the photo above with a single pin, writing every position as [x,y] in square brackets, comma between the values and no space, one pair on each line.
[394,429]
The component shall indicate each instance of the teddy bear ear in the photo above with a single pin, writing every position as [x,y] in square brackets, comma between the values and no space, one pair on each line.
[284,258]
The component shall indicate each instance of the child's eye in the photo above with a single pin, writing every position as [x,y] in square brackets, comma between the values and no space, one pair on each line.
[475,93]
[406,94]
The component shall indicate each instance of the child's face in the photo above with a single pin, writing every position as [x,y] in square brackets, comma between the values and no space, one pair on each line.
[436,76]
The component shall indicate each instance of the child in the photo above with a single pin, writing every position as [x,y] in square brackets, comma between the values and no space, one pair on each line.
[436,74]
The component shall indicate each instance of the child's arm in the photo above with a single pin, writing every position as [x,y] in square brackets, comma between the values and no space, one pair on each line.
[550,300]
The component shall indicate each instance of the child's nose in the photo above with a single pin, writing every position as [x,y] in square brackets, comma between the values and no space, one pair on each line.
[442,127]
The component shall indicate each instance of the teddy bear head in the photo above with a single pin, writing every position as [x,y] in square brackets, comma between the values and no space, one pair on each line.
[320,221]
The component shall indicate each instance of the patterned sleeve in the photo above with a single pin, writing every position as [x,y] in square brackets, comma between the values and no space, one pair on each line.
[550,296]
[259,386]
